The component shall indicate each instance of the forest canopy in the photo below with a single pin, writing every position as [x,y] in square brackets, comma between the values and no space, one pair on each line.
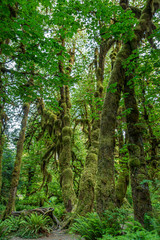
[79,116]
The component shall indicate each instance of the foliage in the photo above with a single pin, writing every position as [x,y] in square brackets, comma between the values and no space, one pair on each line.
[7,166]
[34,226]
[115,220]
[3,231]
[90,227]
[138,235]
[93,227]
[36,38]
[118,225]
[12,224]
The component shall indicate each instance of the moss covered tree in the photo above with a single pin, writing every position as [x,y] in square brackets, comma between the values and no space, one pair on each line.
[106,182]
[17,165]
[88,180]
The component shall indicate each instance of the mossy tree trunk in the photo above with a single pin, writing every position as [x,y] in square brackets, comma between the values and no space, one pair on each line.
[17,165]
[153,162]
[137,164]
[123,178]
[66,174]
[86,195]
[105,176]
[106,181]
[65,150]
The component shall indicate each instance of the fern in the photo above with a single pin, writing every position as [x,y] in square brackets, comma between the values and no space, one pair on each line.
[90,227]
[12,224]
[35,225]
[3,231]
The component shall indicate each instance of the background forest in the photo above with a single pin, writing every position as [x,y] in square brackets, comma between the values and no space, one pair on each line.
[79,118]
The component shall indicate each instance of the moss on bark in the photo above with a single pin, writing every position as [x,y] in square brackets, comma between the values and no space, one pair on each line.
[137,164]
[105,181]
[17,165]
[86,195]
[87,183]
[66,174]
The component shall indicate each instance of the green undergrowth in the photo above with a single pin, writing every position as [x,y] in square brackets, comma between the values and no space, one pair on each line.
[117,224]
[32,226]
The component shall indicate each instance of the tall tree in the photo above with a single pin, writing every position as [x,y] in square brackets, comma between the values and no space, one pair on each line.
[17,165]
[106,184]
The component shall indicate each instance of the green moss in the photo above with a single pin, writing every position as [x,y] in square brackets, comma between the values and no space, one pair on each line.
[66,131]
[121,186]
[66,140]
[68,193]
[64,107]
[67,119]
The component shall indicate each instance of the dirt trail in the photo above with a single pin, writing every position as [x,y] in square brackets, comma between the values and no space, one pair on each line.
[56,235]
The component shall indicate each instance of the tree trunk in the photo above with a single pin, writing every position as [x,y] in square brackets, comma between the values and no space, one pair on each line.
[66,174]
[17,165]
[88,180]
[123,179]
[105,175]
[137,164]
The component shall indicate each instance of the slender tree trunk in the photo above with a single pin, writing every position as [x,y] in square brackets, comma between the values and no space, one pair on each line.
[17,165]
[137,164]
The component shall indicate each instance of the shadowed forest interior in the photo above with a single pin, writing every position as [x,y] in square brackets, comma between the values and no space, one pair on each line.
[80,118]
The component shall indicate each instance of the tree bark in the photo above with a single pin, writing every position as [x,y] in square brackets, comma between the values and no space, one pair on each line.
[123,178]
[86,195]
[66,174]
[137,164]
[17,165]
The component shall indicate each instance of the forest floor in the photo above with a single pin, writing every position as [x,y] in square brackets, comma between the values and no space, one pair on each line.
[56,235]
